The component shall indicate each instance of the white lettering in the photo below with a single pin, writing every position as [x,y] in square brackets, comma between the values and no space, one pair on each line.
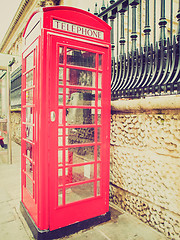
[60,25]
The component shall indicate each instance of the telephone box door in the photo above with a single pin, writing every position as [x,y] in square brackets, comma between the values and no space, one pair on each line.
[79,130]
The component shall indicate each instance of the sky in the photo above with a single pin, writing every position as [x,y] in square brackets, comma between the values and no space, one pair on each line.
[9,8]
[7,12]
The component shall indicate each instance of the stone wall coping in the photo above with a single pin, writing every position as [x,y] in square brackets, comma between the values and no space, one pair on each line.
[146,104]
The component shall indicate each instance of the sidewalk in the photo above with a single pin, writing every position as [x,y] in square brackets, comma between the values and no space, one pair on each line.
[122,226]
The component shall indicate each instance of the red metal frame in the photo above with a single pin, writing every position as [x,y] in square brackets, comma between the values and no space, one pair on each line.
[42,204]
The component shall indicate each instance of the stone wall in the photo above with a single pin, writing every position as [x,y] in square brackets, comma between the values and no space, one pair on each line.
[16,126]
[145,161]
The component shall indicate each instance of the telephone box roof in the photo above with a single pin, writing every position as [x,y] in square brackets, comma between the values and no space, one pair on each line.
[68,14]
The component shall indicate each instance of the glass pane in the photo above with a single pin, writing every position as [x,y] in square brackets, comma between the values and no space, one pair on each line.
[80,77]
[99,116]
[79,173]
[29,185]
[60,176]
[29,115]
[99,80]
[99,98]
[60,132]
[29,79]
[60,116]
[29,97]
[60,99]
[29,150]
[80,97]
[98,153]
[80,154]
[61,55]
[80,135]
[60,141]
[98,188]
[29,132]
[60,76]
[100,61]
[29,61]
[79,116]
[79,192]
[60,96]
[98,170]
[81,58]
[60,156]
[60,196]
[29,168]
[99,135]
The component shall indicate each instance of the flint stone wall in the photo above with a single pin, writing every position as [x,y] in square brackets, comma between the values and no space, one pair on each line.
[145,161]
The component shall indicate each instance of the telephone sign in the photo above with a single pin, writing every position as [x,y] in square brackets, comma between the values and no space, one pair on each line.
[66,72]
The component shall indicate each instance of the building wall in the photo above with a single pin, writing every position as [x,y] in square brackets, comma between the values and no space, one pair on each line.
[145,162]
[16,126]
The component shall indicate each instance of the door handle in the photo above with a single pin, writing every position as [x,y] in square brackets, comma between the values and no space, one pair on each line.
[53,116]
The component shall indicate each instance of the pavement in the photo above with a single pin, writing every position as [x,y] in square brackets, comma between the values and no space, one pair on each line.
[122,225]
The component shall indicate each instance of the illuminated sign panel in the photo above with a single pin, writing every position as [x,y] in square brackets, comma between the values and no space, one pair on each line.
[73,28]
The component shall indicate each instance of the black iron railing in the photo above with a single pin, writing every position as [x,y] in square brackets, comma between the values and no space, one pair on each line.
[145,44]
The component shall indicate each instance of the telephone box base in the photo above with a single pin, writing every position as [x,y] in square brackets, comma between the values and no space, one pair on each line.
[61,232]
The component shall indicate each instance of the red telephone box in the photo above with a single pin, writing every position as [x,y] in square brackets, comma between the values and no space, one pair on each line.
[66,65]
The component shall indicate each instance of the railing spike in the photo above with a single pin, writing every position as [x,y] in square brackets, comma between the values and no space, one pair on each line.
[162,24]
[103,6]
[134,33]
[122,37]
[178,19]
[112,1]
[95,10]
[147,28]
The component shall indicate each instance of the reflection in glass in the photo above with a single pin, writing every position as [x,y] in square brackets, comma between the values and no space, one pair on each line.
[61,54]
[60,75]
[80,97]
[29,97]
[29,132]
[29,79]
[80,135]
[80,154]
[80,77]
[79,192]
[79,116]
[81,58]
[29,61]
